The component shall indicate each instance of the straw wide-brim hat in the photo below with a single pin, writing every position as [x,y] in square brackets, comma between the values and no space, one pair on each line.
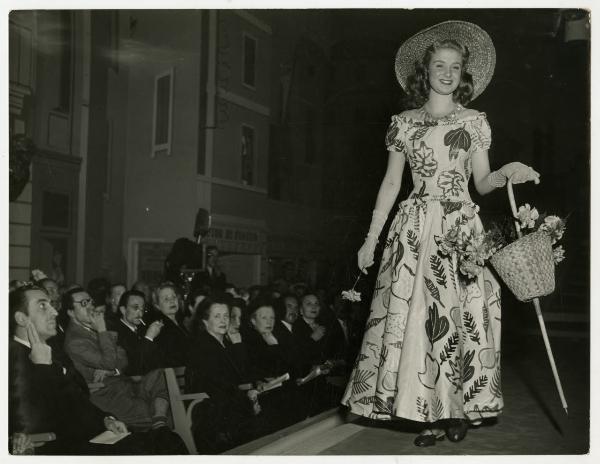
[482,55]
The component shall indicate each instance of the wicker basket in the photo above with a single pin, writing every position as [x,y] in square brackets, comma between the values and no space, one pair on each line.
[526,266]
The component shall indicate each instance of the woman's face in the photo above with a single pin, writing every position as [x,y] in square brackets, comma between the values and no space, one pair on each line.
[168,302]
[218,319]
[263,319]
[235,320]
[310,307]
[445,69]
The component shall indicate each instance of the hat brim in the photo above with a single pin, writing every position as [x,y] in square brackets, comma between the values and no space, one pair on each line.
[482,59]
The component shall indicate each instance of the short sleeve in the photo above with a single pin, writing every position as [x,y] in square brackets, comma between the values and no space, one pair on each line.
[481,134]
[394,139]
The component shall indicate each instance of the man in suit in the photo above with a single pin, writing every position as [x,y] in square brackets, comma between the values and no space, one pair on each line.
[211,276]
[137,339]
[46,397]
[98,358]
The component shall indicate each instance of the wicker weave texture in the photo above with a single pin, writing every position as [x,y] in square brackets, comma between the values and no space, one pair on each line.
[526,266]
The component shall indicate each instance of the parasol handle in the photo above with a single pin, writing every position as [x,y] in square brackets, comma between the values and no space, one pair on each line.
[513,206]
[538,311]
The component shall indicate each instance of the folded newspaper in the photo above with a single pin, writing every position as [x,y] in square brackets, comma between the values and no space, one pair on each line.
[275,382]
[316,371]
[108,438]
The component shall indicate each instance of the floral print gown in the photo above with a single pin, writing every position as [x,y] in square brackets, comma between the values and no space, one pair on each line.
[431,349]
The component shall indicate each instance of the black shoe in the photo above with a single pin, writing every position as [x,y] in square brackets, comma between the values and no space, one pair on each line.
[457,430]
[428,439]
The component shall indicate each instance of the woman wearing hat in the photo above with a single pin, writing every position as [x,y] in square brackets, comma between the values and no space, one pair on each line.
[431,349]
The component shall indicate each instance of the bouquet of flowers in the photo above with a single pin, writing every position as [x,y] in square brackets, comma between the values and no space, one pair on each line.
[473,249]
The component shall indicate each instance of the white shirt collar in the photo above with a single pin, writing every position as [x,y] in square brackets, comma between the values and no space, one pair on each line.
[21,341]
[129,326]
[287,325]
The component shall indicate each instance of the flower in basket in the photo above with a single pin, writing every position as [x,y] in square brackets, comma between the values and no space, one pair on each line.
[558,254]
[527,216]
[553,226]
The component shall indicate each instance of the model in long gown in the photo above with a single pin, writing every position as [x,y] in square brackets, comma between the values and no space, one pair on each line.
[431,349]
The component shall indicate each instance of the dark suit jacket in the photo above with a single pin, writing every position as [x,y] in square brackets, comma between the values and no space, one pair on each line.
[291,349]
[173,341]
[46,398]
[311,352]
[265,360]
[212,369]
[143,355]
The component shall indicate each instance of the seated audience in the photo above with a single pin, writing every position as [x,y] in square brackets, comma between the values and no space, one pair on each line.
[98,357]
[286,312]
[192,301]
[143,287]
[268,359]
[112,313]
[137,339]
[173,339]
[229,418]
[46,396]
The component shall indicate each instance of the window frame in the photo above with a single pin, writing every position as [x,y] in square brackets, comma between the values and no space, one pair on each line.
[254,181]
[167,145]
[245,36]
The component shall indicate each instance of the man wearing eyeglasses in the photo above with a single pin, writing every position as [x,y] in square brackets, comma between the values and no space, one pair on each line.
[49,411]
[96,354]
[135,337]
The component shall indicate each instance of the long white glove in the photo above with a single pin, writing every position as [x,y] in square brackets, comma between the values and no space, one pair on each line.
[367,250]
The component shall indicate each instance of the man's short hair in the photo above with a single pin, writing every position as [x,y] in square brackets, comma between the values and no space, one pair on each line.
[124,300]
[17,302]
[67,298]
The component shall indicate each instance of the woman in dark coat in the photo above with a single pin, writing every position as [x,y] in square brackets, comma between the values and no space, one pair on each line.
[174,338]
[231,416]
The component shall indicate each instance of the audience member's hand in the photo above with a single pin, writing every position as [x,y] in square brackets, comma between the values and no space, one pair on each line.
[269,338]
[154,329]
[100,374]
[114,425]
[318,333]
[21,444]
[97,321]
[253,397]
[41,353]
[235,337]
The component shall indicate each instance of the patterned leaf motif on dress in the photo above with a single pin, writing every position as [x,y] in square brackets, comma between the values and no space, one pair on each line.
[467,369]
[413,243]
[495,387]
[421,194]
[451,182]
[449,348]
[481,141]
[450,206]
[393,141]
[373,322]
[437,267]
[438,408]
[467,167]
[383,355]
[367,400]
[435,293]
[457,139]
[471,326]
[431,372]
[422,408]
[419,133]
[422,161]
[436,326]
[384,406]
[454,376]
[360,382]
[476,388]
